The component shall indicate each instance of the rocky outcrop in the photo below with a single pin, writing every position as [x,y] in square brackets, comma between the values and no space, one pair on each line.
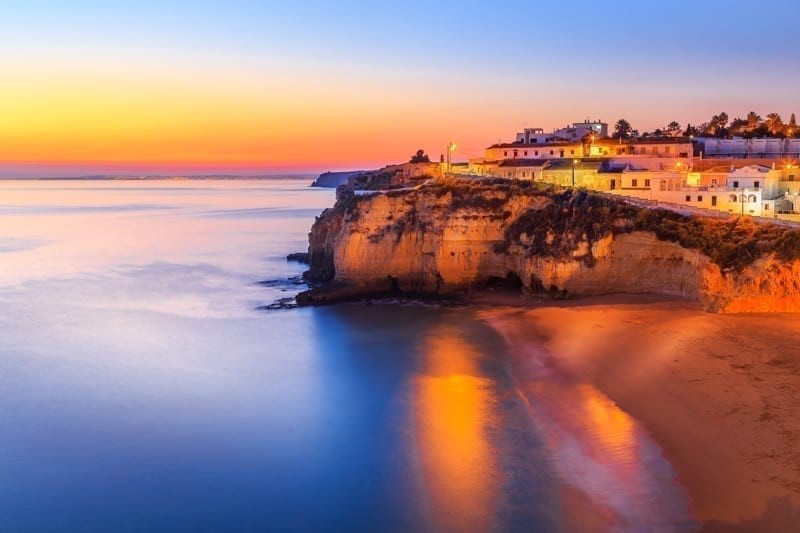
[334,179]
[448,237]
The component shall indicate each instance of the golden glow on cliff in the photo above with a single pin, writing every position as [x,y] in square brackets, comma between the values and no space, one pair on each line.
[453,415]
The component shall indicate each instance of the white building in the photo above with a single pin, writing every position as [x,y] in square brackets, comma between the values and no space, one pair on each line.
[575,132]
[739,147]
[553,150]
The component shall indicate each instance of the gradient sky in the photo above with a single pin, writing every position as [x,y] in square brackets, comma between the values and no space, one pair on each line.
[261,87]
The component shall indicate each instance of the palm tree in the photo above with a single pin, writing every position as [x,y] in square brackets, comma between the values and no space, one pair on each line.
[622,129]
[753,121]
[738,125]
[774,124]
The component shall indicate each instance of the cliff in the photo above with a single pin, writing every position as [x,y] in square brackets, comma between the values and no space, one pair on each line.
[334,179]
[448,237]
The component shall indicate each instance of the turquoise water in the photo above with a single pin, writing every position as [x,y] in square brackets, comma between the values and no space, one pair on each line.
[142,390]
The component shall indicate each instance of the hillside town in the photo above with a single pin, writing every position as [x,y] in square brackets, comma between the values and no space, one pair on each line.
[744,173]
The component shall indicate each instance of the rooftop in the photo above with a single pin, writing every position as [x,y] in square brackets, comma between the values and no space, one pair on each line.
[519,162]
[520,145]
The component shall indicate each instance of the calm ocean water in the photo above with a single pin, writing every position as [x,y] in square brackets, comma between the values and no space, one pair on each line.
[141,390]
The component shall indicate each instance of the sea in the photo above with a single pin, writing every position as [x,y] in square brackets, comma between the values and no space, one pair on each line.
[145,387]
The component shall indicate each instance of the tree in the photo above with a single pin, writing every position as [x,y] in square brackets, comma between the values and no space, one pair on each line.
[791,127]
[673,127]
[774,124]
[716,126]
[738,126]
[622,129]
[753,121]
[420,157]
[690,131]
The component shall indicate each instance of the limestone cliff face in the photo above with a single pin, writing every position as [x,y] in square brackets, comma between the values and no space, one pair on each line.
[446,238]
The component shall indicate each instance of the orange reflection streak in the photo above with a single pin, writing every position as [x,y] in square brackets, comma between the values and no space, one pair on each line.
[612,428]
[453,412]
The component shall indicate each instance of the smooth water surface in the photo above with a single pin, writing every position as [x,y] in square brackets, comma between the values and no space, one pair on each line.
[141,390]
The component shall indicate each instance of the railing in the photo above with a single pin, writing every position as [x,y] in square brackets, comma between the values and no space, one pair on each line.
[699,211]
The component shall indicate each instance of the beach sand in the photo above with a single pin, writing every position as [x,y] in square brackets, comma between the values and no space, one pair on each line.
[719,393]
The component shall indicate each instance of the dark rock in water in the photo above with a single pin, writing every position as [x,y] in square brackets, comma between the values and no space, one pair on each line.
[300,257]
[294,281]
[334,179]
[279,304]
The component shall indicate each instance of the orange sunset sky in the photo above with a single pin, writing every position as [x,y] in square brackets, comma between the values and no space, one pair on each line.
[264,87]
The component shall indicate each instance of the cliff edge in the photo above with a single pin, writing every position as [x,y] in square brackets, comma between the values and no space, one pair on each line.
[447,236]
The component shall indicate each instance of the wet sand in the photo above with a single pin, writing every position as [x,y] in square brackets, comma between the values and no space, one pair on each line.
[719,393]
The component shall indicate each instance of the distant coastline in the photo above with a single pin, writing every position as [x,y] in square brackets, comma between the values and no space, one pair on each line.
[334,179]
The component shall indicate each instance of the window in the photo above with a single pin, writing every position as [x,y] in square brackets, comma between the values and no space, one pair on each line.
[751,198]
[551,152]
[688,198]
[699,198]
[735,184]
[732,198]
[523,173]
[634,182]
[756,184]
[766,207]
[662,185]
[536,152]
[526,152]
[714,182]
[646,183]
[666,149]
[572,152]
[713,201]
[791,177]
[505,154]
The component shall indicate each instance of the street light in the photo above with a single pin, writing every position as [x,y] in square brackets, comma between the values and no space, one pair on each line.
[574,162]
[451,147]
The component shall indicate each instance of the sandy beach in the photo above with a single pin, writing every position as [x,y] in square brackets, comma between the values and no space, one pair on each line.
[719,393]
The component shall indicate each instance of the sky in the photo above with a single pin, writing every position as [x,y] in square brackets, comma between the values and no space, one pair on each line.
[241,87]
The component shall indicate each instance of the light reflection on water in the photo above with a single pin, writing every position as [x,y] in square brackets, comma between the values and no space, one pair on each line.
[454,400]
[140,390]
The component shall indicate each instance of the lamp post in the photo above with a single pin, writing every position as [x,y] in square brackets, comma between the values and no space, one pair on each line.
[451,147]
[574,163]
